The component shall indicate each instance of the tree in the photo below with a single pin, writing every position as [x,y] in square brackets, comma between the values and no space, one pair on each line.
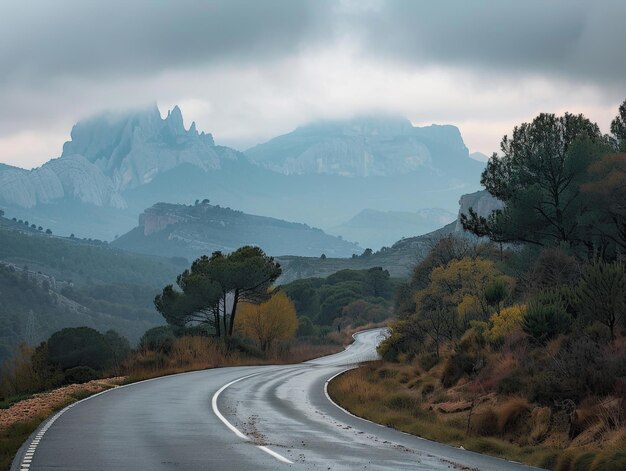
[601,293]
[377,283]
[198,303]
[269,322]
[119,346]
[214,286]
[538,177]
[79,346]
[605,192]
[618,128]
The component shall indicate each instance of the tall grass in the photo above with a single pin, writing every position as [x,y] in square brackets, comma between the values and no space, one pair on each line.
[371,392]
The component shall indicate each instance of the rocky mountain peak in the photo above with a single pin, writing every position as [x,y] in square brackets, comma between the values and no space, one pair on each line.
[133,147]
[174,121]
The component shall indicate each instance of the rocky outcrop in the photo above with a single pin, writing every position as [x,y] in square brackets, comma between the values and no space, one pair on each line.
[112,153]
[481,201]
[160,216]
[364,146]
[200,229]
[132,148]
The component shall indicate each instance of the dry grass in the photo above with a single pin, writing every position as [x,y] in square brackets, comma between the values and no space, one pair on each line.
[380,392]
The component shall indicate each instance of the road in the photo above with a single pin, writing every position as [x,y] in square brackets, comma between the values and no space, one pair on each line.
[239,418]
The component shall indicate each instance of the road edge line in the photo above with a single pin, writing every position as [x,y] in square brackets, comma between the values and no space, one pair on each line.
[28,448]
[234,429]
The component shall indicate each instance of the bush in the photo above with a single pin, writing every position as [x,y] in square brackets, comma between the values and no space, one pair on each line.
[80,374]
[428,360]
[484,423]
[504,323]
[79,346]
[546,318]
[514,416]
[401,402]
[158,339]
[457,365]
[512,383]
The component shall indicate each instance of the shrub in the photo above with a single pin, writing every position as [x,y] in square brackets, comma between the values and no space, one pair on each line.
[512,383]
[457,365]
[514,416]
[402,402]
[158,339]
[79,374]
[428,360]
[601,294]
[484,423]
[79,346]
[546,318]
[428,389]
[504,323]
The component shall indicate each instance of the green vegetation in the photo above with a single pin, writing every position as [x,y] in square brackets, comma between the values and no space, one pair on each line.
[346,298]
[213,283]
[519,350]
[49,283]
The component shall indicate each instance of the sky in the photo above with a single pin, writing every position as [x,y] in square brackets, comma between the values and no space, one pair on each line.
[247,71]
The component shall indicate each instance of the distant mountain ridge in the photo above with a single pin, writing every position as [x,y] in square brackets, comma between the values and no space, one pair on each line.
[362,147]
[200,229]
[375,229]
[118,164]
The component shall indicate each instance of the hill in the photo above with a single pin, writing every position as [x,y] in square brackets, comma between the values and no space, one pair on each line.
[399,259]
[200,229]
[49,282]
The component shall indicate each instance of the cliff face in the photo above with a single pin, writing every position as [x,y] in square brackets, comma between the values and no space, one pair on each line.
[110,154]
[362,147]
[72,177]
[481,201]
[192,231]
[159,217]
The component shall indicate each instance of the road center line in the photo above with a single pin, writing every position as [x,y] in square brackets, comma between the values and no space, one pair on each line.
[234,429]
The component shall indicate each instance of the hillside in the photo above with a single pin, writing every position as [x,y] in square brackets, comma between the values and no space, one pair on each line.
[49,282]
[399,259]
[200,229]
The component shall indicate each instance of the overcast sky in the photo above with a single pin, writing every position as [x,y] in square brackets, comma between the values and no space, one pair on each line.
[249,70]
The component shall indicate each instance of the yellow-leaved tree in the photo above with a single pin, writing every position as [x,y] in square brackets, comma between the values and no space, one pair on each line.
[270,322]
[505,322]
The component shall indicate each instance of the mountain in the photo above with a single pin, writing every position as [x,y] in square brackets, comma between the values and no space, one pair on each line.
[363,147]
[118,164]
[192,231]
[479,156]
[375,229]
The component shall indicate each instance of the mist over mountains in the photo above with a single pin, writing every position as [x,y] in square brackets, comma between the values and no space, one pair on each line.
[118,164]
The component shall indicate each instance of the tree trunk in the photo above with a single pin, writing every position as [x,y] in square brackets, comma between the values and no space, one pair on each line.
[234,311]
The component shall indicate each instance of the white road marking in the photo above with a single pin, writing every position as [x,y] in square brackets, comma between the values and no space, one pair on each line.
[234,429]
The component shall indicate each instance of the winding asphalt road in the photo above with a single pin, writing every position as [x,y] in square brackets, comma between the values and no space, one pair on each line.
[240,418]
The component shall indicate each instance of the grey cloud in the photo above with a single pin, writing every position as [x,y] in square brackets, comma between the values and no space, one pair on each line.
[44,40]
[576,40]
